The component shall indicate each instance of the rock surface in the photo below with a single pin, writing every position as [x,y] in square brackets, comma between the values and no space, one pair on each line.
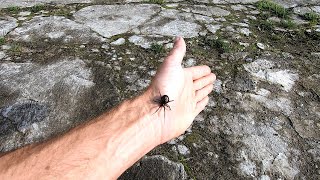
[66,62]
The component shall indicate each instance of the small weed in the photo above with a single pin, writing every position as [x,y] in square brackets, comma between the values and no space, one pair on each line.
[266,25]
[2,40]
[288,24]
[312,17]
[37,8]
[157,48]
[16,48]
[221,45]
[157,1]
[278,10]
[14,9]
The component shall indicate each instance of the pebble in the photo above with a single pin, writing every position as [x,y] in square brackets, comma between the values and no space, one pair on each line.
[118,42]
[245,31]
[24,13]
[182,149]
[261,46]
[2,55]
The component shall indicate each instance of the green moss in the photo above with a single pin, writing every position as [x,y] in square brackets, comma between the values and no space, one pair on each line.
[157,1]
[2,40]
[37,8]
[276,9]
[193,138]
[14,9]
[186,167]
[312,17]
[157,48]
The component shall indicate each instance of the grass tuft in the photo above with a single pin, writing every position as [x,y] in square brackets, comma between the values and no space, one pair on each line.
[14,9]
[266,25]
[221,45]
[289,24]
[157,1]
[37,8]
[312,17]
[276,9]
[2,40]
[157,48]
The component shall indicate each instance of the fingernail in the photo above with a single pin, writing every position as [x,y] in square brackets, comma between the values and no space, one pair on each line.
[176,39]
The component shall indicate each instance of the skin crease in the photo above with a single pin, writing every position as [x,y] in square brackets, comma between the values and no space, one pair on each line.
[106,146]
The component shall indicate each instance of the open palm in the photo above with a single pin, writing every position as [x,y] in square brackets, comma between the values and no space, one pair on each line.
[187,87]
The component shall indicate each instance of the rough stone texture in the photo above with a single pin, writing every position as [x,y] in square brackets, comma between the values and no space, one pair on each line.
[110,20]
[36,97]
[153,167]
[28,3]
[262,120]
[209,11]
[55,28]
[7,24]
[171,23]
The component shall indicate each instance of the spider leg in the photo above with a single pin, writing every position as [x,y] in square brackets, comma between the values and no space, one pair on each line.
[164,114]
[168,106]
[156,101]
[171,101]
[157,109]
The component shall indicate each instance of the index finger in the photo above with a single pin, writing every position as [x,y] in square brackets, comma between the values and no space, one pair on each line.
[198,72]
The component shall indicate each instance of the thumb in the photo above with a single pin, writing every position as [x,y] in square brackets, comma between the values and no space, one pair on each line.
[176,55]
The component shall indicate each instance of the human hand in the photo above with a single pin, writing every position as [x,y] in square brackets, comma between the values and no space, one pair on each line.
[187,87]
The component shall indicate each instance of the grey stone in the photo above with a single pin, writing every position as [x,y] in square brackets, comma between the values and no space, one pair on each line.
[171,23]
[7,23]
[118,42]
[241,24]
[182,149]
[245,31]
[2,55]
[261,46]
[213,28]
[110,20]
[140,41]
[209,10]
[238,7]
[55,28]
[28,3]
[156,166]
[43,100]
[24,13]
[263,69]
[203,19]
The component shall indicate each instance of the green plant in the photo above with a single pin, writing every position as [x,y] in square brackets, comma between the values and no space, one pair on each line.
[16,48]
[267,5]
[289,24]
[14,9]
[266,25]
[157,48]
[157,1]
[221,45]
[2,40]
[312,17]
[37,8]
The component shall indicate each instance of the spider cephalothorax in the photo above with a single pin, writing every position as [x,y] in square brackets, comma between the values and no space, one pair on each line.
[163,102]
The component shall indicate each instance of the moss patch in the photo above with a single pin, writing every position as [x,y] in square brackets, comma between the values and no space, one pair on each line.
[2,40]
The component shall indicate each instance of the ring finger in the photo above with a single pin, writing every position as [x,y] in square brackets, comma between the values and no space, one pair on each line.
[202,93]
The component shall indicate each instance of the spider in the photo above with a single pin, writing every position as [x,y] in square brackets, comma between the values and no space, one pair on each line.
[163,102]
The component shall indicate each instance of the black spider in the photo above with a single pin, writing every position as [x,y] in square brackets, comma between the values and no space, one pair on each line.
[163,102]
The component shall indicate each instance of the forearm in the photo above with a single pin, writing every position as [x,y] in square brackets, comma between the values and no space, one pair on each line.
[101,148]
